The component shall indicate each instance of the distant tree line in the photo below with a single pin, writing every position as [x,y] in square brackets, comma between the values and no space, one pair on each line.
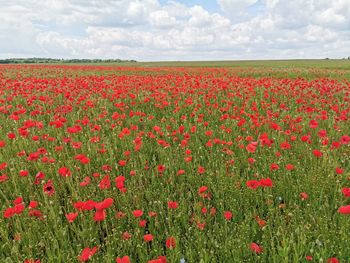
[54,60]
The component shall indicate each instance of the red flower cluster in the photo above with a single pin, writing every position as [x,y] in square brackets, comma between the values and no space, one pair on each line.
[264,182]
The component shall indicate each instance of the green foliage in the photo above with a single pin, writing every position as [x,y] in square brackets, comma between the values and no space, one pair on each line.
[60,61]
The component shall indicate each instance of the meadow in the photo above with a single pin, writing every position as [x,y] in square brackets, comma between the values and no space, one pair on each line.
[175,162]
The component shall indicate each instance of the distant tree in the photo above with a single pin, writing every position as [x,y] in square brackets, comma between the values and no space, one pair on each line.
[54,60]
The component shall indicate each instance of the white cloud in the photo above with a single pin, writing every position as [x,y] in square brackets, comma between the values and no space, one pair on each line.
[235,6]
[199,17]
[149,30]
[162,19]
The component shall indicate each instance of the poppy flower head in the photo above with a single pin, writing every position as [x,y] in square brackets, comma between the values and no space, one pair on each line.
[87,253]
[274,167]
[346,191]
[137,213]
[304,196]
[71,217]
[317,153]
[255,248]
[64,171]
[202,189]
[345,210]
[48,188]
[173,204]
[228,215]
[253,184]
[170,243]
[124,259]
[332,260]
[148,237]
[100,215]
[104,204]
[309,258]
[201,170]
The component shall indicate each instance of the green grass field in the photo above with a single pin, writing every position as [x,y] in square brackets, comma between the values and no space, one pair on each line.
[298,63]
[175,162]
[309,69]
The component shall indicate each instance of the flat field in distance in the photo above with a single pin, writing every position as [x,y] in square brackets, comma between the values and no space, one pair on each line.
[310,68]
[297,63]
[242,161]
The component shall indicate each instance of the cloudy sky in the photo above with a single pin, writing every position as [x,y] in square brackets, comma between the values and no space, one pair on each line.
[151,30]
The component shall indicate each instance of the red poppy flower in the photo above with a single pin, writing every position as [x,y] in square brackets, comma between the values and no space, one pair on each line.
[142,223]
[87,253]
[108,202]
[285,146]
[3,178]
[105,183]
[100,215]
[31,261]
[160,259]
[173,205]
[251,160]
[126,235]
[202,189]
[274,167]
[19,208]
[11,135]
[201,170]
[304,196]
[346,191]
[309,258]
[266,182]
[313,124]
[228,215]
[9,212]
[345,139]
[23,173]
[332,260]
[122,162]
[3,166]
[64,171]
[119,181]
[322,133]
[137,213]
[254,247]
[170,242]
[35,213]
[148,237]
[180,172]
[71,217]
[253,184]
[251,148]
[152,214]
[33,204]
[261,222]
[161,168]
[86,181]
[290,167]
[39,177]
[48,188]
[201,225]
[124,259]
[344,209]
[317,153]
[339,170]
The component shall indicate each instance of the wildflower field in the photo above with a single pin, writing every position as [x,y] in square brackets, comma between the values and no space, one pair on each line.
[174,164]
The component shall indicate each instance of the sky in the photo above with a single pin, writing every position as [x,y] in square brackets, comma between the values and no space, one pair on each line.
[161,30]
